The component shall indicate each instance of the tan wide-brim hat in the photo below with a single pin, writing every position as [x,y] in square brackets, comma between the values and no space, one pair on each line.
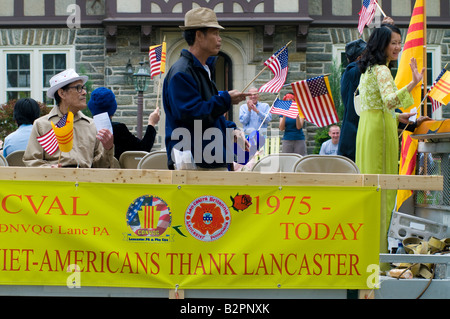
[62,79]
[200,18]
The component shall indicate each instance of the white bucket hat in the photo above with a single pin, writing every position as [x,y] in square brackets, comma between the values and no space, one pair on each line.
[62,79]
[200,18]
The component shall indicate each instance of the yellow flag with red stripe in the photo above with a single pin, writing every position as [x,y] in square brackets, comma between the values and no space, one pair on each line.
[413,47]
[64,134]
[408,159]
[441,90]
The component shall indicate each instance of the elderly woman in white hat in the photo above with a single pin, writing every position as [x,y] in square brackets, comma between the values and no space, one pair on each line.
[90,149]
[191,98]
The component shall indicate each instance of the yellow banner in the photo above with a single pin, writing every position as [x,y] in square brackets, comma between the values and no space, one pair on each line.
[190,237]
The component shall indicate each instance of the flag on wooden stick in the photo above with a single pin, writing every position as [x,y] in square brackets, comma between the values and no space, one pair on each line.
[414,47]
[315,101]
[157,58]
[278,64]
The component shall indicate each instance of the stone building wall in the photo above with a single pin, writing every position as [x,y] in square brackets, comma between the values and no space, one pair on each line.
[108,69]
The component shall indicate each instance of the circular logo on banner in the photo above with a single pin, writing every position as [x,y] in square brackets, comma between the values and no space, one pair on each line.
[207,218]
[148,216]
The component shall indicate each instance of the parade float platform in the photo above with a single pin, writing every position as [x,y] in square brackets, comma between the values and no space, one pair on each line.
[72,232]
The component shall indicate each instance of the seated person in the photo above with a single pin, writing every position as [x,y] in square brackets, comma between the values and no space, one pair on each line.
[90,148]
[330,147]
[25,112]
[103,100]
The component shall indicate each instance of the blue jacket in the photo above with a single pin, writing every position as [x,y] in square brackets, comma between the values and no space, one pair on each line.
[190,95]
[349,128]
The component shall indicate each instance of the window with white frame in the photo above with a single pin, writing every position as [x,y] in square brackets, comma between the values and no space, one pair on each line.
[433,68]
[28,71]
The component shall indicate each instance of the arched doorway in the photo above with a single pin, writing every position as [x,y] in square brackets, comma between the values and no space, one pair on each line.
[223,76]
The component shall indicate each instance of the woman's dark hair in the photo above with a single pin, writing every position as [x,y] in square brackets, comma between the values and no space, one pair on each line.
[376,47]
[189,35]
[26,111]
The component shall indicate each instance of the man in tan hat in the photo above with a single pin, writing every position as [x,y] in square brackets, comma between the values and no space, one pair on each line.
[90,149]
[191,100]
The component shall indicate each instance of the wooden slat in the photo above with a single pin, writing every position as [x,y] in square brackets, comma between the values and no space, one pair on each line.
[135,176]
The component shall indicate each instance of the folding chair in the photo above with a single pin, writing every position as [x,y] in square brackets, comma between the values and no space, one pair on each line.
[15,158]
[130,159]
[154,160]
[326,164]
[279,162]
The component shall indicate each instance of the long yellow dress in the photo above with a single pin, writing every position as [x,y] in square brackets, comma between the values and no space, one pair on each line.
[377,136]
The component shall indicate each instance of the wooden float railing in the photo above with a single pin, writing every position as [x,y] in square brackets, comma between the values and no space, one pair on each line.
[135,176]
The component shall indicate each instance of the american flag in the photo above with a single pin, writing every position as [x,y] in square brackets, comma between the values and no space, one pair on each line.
[278,64]
[286,108]
[366,14]
[157,58]
[48,141]
[316,102]
[434,103]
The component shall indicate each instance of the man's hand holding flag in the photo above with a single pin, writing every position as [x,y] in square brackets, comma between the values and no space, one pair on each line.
[50,141]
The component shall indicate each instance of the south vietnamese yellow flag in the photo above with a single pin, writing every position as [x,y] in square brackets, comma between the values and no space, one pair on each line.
[413,47]
[441,90]
[64,133]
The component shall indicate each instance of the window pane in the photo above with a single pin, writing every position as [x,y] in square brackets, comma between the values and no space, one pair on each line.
[15,95]
[24,61]
[429,69]
[60,62]
[47,100]
[12,79]
[24,79]
[52,64]
[47,76]
[11,61]
[18,70]
[47,61]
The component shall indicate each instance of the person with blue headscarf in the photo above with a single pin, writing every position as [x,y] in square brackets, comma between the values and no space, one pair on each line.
[103,100]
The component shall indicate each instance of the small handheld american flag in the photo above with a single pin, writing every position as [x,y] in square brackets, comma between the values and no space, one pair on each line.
[278,64]
[48,141]
[157,58]
[286,108]
[366,14]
